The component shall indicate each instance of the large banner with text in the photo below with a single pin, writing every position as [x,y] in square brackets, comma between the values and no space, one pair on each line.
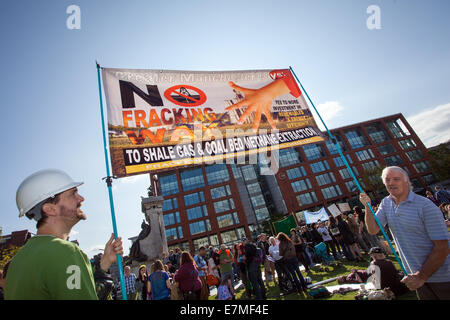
[161,119]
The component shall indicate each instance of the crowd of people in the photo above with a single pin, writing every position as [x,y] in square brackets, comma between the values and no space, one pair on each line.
[192,276]
[49,267]
[182,275]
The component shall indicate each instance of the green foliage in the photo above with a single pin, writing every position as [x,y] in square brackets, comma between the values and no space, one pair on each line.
[6,254]
[440,162]
[373,183]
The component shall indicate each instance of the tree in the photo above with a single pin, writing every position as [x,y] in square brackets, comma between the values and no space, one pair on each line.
[373,183]
[6,254]
[440,161]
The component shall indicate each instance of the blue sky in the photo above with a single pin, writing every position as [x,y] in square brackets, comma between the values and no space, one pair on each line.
[51,114]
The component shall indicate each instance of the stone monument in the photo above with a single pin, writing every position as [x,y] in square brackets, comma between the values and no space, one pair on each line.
[151,241]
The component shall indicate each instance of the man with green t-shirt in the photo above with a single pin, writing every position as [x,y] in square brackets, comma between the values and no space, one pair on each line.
[48,267]
[226,260]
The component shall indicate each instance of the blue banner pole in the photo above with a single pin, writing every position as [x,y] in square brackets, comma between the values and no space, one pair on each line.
[109,184]
[335,142]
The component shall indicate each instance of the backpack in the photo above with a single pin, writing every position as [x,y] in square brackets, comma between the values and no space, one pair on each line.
[259,256]
[319,292]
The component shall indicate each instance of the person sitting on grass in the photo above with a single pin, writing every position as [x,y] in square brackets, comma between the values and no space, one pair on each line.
[385,273]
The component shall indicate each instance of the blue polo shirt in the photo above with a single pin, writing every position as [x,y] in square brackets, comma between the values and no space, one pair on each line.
[414,224]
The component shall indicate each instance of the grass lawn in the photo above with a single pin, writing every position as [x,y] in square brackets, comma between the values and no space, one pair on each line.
[273,292]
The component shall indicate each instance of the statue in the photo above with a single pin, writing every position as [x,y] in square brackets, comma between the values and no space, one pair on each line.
[135,251]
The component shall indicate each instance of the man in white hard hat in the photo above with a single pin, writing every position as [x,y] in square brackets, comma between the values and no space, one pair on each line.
[48,266]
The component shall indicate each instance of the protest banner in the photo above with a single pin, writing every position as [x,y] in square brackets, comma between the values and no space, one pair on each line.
[334,210]
[159,119]
[344,207]
[313,217]
[285,225]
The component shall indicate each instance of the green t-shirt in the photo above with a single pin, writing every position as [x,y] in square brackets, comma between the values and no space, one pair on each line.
[226,267]
[49,268]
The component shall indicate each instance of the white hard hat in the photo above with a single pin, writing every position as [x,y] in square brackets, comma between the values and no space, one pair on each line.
[39,187]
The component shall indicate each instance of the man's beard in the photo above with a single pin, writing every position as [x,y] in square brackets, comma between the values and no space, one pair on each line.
[73,214]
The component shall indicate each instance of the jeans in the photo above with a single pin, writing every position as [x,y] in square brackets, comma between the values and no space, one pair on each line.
[255,277]
[348,254]
[361,242]
[291,266]
[330,245]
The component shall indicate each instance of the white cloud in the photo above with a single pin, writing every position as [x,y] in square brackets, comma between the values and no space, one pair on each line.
[328,110]
[432,125]
[94,249]
[135,179]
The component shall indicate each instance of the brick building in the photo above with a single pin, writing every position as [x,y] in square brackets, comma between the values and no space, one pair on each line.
[221,203]
[16,238]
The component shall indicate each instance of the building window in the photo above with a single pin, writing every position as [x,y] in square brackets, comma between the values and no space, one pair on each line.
[296,173]
[194,198]
[174,233]
[171,218]
[414,155]
[289,157]
[351,186]
[394,160]
[192,179]
[201,242]
[386,149]
[262,214]
[345,174]
[217,173]
[301,185]
[224,205]
[370,165]
[407,170]
[314,151]
[236,171]
[326,178]
[229,236]
[356,139]
[339,162]
[254,188]
[248,172]
[220,192]
[407,144]
[199,227]
[306,198]
[332,149]
[364,155]
[422,166]
[228,220]
[170,204]
[197,212]
[184,246]
[257,200]
[429,179]
[320,166]
[331,192]
[169,184]
[377,133]
[397,128]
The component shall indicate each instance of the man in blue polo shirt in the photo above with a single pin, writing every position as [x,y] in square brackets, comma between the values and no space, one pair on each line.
[419,233]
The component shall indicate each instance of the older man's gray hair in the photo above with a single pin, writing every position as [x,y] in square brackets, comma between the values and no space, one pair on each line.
[398,169]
